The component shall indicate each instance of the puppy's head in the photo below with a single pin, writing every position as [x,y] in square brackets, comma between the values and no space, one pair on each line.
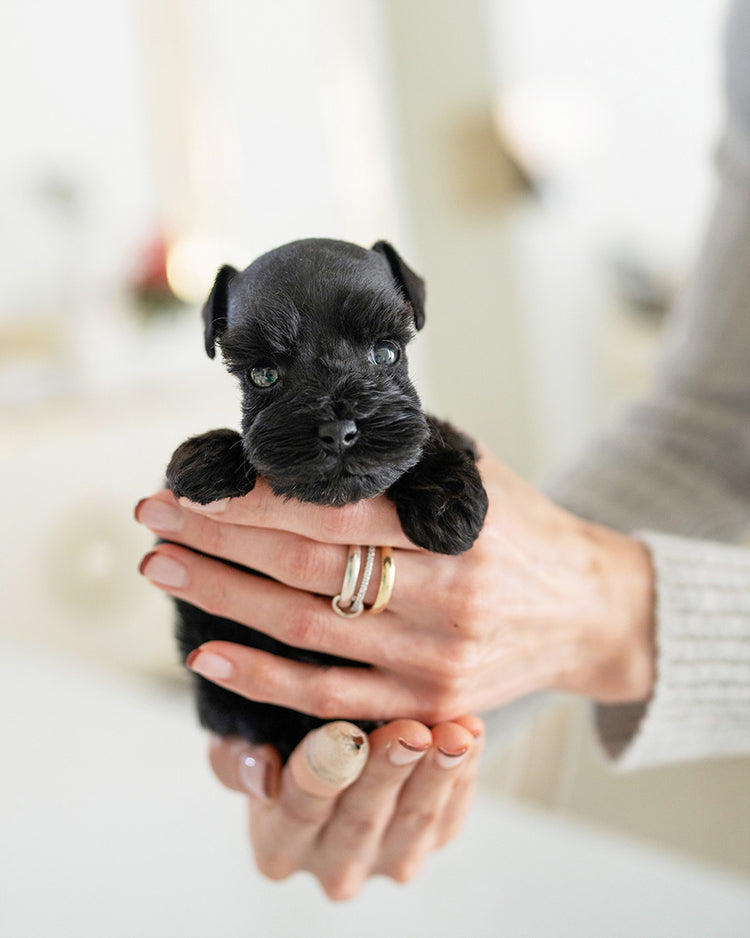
[316,332]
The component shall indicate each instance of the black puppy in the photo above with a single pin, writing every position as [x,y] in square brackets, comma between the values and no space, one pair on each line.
[316,333]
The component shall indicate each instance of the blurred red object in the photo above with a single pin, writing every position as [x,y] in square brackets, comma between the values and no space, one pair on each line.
[150,285]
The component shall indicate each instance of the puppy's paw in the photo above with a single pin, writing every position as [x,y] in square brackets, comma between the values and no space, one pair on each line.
[211,466]
[441,503]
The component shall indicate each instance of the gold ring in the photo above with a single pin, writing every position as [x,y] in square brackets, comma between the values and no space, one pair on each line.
[387,579]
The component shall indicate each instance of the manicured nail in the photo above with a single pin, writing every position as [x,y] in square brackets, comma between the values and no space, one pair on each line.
[158,515]
[402,753]
[253,774]
[164,570]
[448,760]
[209,664]
[330,758]
[211,508]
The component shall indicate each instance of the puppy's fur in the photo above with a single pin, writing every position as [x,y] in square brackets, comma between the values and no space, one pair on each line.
[324,325]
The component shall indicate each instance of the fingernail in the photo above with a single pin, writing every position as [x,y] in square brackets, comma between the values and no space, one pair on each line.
[164,570]
[402,753]
[209,664]
[158,515]
[253,774]
[448,760]
[336,752]
[212,508]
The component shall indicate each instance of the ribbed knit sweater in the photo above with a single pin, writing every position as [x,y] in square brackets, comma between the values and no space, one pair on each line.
[675,472]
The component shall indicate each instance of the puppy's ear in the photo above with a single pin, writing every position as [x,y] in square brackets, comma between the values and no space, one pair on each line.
[410,284]
[215,309]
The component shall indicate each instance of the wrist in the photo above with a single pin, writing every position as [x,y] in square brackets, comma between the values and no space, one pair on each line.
[621,633]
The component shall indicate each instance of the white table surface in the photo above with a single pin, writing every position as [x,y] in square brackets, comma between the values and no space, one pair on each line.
[113,827]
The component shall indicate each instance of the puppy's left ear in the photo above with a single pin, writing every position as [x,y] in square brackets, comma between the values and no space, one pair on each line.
[410,284]
[215,309]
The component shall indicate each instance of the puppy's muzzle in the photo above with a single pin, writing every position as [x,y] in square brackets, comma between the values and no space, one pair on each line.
[338,435]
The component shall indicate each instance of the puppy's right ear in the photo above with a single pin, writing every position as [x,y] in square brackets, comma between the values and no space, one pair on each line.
[215,309]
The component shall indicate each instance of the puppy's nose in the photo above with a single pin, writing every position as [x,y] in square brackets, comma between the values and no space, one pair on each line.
[338,435]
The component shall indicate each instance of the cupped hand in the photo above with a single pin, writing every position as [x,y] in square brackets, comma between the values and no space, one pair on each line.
[410,798]
[543,600]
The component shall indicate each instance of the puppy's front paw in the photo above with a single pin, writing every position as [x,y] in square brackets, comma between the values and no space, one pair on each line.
[211,466]
[441,503]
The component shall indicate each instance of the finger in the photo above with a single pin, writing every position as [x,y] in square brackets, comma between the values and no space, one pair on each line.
[371,521]
[294,617]
[325,762]
[348,846]
[457,807]
[289,558]
[464,786]
[241,766]
[416,826]
[327,693]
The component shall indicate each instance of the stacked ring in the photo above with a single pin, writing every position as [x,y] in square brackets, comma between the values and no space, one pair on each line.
[350,604]
[387,579]
[351,575]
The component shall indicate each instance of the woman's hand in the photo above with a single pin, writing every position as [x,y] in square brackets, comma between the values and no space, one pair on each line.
[543,600]
[410,798]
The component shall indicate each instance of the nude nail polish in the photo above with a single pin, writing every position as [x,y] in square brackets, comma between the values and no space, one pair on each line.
[330,758]
[164,570]
[253,773]
[159,516]
[448,760]
[400,752]
[209,664]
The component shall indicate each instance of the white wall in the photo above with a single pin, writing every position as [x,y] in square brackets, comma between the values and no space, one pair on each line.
[73,109]
[615,109]
[244,125]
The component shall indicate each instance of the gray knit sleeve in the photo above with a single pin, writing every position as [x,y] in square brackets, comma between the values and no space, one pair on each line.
[678,462]
[701,705]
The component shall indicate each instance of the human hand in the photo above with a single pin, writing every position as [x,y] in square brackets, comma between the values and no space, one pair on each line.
[410,798]
[543,600]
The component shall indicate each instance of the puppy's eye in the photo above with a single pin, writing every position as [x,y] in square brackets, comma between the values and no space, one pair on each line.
[385,352]
[264,376]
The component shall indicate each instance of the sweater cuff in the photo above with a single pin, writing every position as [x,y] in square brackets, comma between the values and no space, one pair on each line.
[701,701]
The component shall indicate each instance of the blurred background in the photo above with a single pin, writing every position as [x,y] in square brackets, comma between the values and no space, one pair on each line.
[547,168]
